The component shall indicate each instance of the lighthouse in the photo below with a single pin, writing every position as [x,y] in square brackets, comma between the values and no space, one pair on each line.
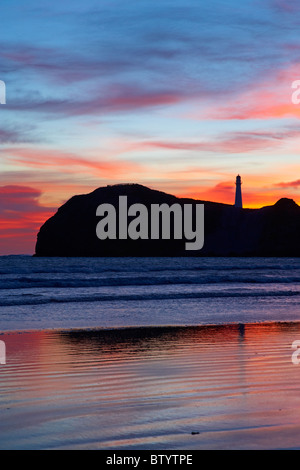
[238,193]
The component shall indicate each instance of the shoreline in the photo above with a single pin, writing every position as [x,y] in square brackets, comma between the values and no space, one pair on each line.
[148,327]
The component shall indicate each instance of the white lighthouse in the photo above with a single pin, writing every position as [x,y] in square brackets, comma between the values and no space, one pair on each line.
[238,193]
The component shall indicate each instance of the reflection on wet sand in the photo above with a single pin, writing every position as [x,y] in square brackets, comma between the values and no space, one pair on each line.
[224,387]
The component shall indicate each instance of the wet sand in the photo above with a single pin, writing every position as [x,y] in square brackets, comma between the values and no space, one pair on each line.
[234,386]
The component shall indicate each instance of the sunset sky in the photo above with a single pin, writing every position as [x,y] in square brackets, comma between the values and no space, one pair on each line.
[179,95]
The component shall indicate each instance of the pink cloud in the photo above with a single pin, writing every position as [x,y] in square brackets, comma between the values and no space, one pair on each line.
[21,215]
[290,184]
[270,98]
[43,158]
[238,142]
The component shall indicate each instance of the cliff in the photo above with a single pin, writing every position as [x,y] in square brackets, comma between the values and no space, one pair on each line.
[229,231]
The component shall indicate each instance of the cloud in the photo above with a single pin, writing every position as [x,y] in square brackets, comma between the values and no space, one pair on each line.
[21,215]
[221,192]
[234,142]
[291,184]
[17,201]
[16,135]
[282,6]
[70,162]
[59,65]
[112,100]
[145,56]
[264,105]
[268,98]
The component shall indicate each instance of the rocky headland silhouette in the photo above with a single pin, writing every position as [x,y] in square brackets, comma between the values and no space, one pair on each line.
[229,231]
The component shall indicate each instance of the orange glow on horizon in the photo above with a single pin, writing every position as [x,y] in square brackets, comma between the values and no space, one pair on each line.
[24,209]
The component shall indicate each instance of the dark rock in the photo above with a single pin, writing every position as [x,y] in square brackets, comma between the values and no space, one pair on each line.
[229,231]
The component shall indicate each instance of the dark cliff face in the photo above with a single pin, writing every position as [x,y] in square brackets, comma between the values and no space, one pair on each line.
[270,231]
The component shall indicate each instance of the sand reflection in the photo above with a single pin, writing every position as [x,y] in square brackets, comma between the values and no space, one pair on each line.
[150,388]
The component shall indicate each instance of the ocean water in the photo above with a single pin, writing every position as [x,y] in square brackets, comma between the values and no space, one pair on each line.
[51,293]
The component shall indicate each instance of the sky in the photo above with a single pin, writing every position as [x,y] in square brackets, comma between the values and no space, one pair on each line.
[180,96]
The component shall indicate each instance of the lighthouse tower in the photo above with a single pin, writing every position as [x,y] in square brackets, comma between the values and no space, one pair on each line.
[238,192]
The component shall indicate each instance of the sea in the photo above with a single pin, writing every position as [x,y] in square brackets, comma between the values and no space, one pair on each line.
[63,293]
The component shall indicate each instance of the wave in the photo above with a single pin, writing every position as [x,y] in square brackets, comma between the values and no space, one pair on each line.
[32,282]
[26,265]
[35,299]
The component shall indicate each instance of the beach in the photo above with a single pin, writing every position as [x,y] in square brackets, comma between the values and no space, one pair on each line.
[206,387]
[154,354]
